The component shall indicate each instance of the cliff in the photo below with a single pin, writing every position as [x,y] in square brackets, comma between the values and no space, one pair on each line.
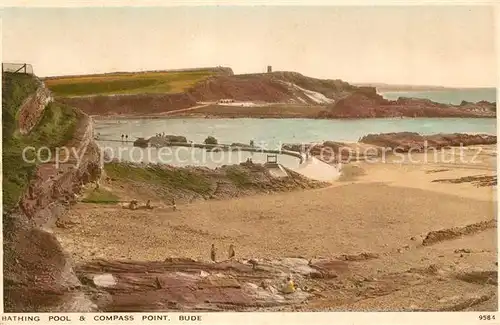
[32,109]
[131,104]
[38,275]
[281,94]
[367,104]
[276,87]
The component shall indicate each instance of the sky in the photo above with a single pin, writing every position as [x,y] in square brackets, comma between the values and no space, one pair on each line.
[427,45]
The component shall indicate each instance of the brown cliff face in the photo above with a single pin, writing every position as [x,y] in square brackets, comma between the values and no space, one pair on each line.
[365,104]
[32,109]
[38,275]
[276,87]
[335,99]
[130,104]
[248,88]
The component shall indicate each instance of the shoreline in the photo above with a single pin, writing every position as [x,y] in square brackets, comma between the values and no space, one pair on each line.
[171,116]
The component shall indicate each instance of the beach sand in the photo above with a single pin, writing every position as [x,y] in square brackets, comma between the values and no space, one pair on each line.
[387,209]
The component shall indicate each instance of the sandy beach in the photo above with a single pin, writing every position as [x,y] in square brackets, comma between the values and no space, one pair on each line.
[388,209]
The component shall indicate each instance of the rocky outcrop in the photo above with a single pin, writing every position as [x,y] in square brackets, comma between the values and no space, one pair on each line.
[143,104]
[189,285]
[165,140]
[366,103]
[454,233]
[186,184]
[38,275]
[374,145]
[481,106]
[405,141]
[56,184]
[160,141]
[478,180]
[276,87]
[31,110]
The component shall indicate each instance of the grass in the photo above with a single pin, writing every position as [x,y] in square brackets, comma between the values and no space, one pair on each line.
[126,83]
[101,196]
[55,128]
[178,178]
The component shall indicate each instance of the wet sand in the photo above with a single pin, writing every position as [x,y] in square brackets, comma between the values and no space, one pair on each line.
[377,212]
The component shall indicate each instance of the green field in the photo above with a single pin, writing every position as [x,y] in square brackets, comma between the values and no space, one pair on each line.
[126,83]
[55,128]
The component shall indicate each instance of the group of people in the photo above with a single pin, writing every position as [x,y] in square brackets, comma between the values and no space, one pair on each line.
[213,252]
[160,135]
[125,136]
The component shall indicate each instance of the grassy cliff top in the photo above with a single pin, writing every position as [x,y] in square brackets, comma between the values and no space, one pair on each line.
[55,128]
[127,83]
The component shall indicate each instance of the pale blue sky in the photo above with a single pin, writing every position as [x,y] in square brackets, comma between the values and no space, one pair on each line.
[452,46]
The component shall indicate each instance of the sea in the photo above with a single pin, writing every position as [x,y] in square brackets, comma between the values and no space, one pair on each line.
[272,133]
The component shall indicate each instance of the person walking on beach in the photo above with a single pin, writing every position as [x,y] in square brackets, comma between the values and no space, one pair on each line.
[174,206]
[122,137]
[126,137]
[213,253]
[231,252]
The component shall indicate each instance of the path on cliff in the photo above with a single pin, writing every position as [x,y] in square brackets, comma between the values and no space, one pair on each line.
[200,105]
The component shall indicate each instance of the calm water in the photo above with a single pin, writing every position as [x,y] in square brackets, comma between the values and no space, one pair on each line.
[269,133]
[448,96]
[273,132]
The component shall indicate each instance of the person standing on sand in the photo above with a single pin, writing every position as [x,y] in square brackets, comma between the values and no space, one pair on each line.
[289,286]
[174,206]
[122,137]
[213,253]
[126,138]
[231,252]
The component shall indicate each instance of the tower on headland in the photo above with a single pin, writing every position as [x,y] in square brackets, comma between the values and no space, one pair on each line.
[269,69]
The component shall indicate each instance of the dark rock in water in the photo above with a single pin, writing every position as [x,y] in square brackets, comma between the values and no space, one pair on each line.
[175,138]
[141,142]
[406,141]
[167,140]
[242,145]
[211,140]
